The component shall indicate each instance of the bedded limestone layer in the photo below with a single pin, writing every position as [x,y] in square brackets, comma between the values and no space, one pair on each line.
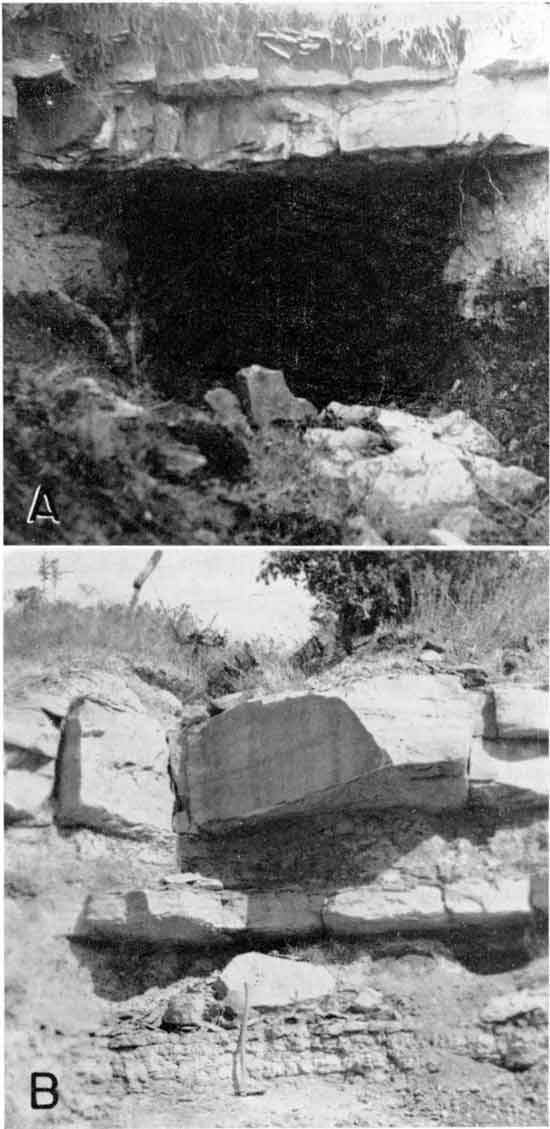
[196,917]
[404,742]
[256,85]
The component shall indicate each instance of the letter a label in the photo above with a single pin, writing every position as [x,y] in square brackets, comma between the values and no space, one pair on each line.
[42,507]
[44,1083]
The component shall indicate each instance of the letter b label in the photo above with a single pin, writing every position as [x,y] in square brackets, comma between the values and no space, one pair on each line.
[44,1093]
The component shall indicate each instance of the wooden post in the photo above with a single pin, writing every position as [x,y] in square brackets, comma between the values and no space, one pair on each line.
[143,576]
[240,1084]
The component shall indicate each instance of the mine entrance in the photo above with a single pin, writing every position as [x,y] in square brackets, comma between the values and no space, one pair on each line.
[332,272]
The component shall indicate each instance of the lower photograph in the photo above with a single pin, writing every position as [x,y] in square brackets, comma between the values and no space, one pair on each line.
[276,838]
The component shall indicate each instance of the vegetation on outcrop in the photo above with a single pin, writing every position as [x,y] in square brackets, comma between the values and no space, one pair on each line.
[483,608]
[194,37]
[422,1027]
[476,606]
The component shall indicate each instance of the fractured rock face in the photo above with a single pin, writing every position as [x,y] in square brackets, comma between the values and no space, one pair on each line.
[389,742]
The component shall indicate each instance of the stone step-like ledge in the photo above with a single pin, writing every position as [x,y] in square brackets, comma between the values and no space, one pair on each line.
[198,916]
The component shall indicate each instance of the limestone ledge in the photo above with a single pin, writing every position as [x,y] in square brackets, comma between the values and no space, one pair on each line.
[270,86]
[197,916]
[130,130]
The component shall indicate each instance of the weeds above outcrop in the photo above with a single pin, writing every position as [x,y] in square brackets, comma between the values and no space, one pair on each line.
[494,609]
[489,608]
[158,644]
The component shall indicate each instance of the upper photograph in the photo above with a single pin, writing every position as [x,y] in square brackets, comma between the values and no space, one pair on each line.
[276,274]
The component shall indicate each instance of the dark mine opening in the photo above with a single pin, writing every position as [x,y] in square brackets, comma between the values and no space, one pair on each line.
[334,277]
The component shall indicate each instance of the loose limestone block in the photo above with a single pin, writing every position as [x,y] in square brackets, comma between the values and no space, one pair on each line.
[366,910]
[103,917]
[266,397]
[477,901]
[421,480]
[367,1000]
[392,742]
[273,981]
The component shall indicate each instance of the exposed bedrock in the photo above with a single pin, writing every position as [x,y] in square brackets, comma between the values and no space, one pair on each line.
[406,741]
[198,917]
[328,193]
[258,85]
[403,804]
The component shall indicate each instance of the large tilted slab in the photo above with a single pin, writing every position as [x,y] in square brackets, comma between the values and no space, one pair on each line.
[392,742]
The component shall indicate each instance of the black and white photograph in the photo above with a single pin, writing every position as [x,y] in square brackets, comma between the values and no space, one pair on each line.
[275,569]
[276,845]
[276,274]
